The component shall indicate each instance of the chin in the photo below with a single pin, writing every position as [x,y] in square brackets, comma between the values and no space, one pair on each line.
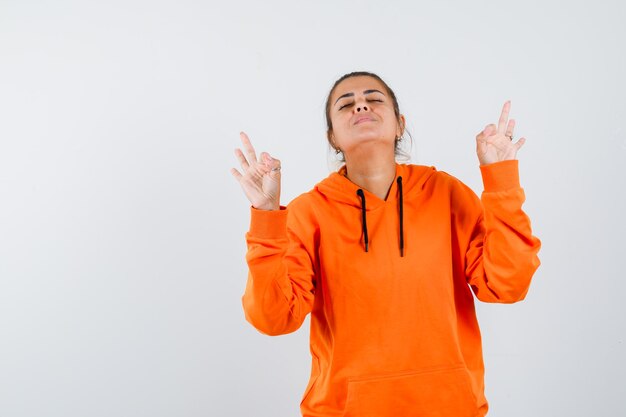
[372,143]
[374,137]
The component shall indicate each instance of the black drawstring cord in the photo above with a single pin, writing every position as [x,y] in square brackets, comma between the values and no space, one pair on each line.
[401,217]
[364,217]
[361,194]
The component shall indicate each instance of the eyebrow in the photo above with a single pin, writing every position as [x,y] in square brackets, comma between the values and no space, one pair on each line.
[352,94]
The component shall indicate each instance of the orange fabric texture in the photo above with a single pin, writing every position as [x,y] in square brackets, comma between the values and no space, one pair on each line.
[392,334]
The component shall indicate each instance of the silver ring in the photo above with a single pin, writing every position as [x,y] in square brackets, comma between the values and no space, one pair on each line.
[510,137]
[276,169]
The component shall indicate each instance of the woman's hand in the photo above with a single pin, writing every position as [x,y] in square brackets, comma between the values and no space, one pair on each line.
[495,144]
[261,179]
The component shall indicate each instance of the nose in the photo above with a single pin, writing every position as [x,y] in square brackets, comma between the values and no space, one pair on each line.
[363,107]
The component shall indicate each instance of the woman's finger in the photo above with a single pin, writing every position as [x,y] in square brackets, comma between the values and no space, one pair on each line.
[236,174]
[482,133]
[275,164]
[504,117]
[247,146]
[242,160]
[509,128]
[520,143]
[271,164]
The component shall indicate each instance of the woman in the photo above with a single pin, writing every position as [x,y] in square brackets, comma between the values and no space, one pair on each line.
[385,257]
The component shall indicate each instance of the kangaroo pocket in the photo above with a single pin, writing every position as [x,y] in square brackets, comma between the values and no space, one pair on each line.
[436,392]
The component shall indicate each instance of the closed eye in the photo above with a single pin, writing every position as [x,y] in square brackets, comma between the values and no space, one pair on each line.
[370,100]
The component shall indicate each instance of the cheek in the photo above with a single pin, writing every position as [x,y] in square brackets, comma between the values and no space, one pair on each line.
[339,122]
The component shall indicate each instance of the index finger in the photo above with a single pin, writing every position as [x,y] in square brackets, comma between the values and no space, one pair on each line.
[247,146]
[504,117]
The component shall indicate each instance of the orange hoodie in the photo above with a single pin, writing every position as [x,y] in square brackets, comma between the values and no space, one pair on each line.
[389,287]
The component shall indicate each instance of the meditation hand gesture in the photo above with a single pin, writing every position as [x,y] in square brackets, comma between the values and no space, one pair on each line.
[496,144]
[261,179]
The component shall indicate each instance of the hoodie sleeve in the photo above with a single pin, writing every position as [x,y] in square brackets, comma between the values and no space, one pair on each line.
[502,252]
[280,288]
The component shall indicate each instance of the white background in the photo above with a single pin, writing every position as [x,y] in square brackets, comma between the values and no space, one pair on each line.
[122,231]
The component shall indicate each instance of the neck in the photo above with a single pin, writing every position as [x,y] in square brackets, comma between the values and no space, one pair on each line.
[374,172]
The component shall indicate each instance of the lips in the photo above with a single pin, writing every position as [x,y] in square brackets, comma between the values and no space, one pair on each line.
[363,119]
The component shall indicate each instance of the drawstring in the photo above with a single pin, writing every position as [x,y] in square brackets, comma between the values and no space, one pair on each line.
[361,194]
[401,216]
[364,217]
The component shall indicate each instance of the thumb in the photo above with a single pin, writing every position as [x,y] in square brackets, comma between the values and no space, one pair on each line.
[273,164]
[484,133]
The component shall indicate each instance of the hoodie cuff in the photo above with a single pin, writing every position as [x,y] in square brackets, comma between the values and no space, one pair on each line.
[268,224]
[500,176]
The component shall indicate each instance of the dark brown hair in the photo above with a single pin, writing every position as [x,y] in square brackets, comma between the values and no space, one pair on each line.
[396,108]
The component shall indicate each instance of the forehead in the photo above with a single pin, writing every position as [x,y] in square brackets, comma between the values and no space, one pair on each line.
[357,85]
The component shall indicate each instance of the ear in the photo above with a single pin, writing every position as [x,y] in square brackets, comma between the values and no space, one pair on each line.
[401,126]
[331,138]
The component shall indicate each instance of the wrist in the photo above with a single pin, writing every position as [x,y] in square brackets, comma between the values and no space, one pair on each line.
[268,207]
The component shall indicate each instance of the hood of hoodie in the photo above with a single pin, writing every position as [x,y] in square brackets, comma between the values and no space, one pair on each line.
[337,187]
[409,181]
